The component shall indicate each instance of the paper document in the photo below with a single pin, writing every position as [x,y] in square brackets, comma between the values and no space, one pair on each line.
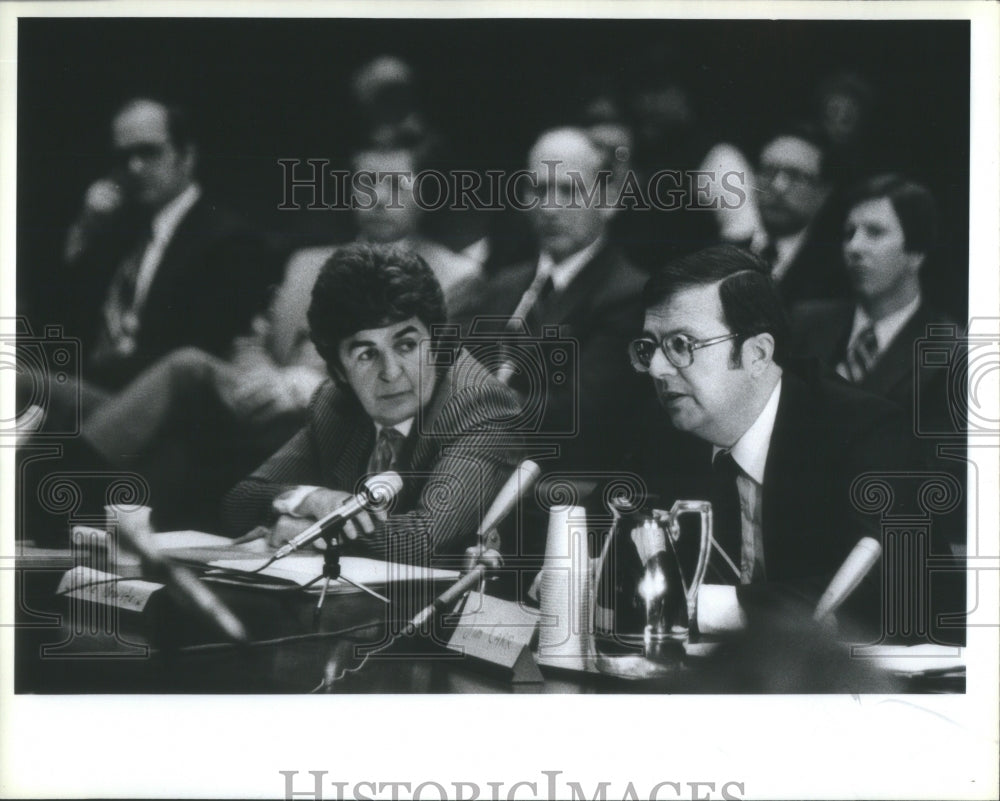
[301,569]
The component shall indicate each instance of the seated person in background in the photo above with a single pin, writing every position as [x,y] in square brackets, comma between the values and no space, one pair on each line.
[386,212]
[390,406]
[798,234]
[152,264]
[581,287]
[774,446]
[889,234]
[192,424]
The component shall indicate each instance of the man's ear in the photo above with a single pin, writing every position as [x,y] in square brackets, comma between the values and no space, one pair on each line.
[758,353]
[915,260]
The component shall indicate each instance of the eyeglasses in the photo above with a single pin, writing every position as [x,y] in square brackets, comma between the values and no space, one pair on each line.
[768,174]
[679,349]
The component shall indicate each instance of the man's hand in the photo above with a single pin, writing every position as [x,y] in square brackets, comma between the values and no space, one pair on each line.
[103,198]
[316,505]
[321,502]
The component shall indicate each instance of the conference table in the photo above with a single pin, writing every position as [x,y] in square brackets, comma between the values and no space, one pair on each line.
[65,646]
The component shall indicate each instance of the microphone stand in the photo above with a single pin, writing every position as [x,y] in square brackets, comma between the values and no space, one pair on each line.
[331,572]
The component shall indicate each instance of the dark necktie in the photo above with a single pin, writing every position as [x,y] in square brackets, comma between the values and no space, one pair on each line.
[525,319]
[727,528]
[386,454]
[861,356]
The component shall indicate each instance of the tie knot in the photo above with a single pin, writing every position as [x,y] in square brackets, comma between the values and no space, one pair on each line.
[862,354]
[724,464]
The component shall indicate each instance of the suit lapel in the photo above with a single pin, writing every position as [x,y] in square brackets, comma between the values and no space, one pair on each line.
[786,467]
[895,366]
[177,254]
[582,290]
[346,438]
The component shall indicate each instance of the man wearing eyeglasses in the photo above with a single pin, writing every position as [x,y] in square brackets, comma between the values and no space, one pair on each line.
[798,237]
[151,263]
[775,449]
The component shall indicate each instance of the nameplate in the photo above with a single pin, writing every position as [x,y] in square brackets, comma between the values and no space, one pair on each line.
[108,589]
[498,632]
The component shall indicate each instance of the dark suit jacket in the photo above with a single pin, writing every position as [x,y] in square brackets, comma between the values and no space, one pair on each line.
[587,405]
[826,434]
[821,330]
[457,455]
[214,276]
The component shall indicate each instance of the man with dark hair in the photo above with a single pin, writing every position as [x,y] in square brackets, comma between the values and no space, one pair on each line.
[889,235]
[391,405]
[797,236]
[775,447]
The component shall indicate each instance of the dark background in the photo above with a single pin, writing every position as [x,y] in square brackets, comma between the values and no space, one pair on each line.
[268,89]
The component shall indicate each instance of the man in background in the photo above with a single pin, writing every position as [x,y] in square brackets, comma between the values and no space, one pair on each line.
[580,294]
[796,236]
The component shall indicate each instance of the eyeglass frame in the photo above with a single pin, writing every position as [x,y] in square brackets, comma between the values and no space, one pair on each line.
[692,346]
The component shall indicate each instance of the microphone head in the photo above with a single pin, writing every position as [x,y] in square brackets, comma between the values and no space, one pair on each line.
[528,473]
[381,489]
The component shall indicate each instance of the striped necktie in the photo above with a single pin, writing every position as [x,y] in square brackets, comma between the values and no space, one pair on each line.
[862,354]
[387,448]
[727,519]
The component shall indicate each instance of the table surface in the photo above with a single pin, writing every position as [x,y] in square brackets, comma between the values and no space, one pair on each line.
[66,646]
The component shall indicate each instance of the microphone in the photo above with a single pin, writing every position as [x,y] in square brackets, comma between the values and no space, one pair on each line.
[484,554]
[521,480]
[377,491]
[855,567]
[186,586]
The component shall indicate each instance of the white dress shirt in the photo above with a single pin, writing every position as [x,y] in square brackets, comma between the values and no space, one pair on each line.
[750,455]
[163,226]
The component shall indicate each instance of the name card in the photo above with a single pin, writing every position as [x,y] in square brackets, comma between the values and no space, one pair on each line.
[498,632]
[98,587]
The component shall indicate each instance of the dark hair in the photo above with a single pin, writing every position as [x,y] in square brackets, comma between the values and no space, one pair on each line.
[179,126]
[365,286]
[913,203]
[807,132]
[750,302]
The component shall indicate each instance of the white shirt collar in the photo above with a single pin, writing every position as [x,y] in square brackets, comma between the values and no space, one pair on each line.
[750,450]
[564,272]
[403,428]
[169,217]
[886,328]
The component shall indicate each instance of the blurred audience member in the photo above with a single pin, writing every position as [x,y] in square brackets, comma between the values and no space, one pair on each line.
[889,235]
[580,293]
[690,207]
[845,104]
[387,212]
[151,264]
[797,236]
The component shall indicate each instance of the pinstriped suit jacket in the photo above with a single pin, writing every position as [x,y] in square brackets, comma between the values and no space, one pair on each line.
[454,461]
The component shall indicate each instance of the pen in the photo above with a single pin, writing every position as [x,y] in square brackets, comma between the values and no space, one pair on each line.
[254,534]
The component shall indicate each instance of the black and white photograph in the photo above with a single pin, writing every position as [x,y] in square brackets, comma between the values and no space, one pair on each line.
[370,368]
